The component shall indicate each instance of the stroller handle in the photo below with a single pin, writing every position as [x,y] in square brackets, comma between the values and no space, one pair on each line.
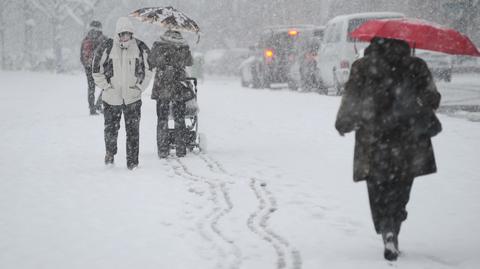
[192,79]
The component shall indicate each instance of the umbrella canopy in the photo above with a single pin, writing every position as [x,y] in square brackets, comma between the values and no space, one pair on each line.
[168,17]
[419,34]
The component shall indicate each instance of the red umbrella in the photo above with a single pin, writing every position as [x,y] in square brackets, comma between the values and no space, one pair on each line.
[419,34]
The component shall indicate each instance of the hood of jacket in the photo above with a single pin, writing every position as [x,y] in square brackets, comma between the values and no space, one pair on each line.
[173,38]
[124,25]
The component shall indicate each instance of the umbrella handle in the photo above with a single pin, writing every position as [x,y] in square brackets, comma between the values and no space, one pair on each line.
[413,49]
[198,38]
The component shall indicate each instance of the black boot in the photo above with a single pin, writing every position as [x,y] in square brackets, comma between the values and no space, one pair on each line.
[109,159]
[162,154]
[391,252]
[132,166]
[181,151]
[99,109]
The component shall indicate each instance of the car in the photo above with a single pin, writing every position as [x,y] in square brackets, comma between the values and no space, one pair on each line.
[440,64]
[339,50]
[309,77]
[466,64]
[276,57]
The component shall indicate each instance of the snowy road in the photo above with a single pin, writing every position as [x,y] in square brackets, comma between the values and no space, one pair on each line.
[273,191]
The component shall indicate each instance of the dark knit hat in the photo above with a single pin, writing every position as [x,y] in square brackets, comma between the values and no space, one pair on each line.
[96,25]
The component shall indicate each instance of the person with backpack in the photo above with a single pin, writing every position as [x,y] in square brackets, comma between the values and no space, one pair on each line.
[121,69]
[90,43]
[170,56]
[390,101]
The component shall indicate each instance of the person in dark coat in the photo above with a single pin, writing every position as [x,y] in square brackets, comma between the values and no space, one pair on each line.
[90,44]
[389,102]
[170,56]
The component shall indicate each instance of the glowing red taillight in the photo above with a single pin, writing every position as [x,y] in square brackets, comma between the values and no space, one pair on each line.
[268,53]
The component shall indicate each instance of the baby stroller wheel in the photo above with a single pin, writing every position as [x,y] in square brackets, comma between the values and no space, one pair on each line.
[202,142]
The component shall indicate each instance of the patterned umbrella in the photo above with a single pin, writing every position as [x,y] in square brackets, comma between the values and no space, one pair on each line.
[168,17]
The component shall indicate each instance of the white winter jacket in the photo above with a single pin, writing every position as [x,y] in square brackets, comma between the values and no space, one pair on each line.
[123,73]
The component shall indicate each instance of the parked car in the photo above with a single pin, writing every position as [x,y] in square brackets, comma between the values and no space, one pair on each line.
[440,64]
[278,56]
[308,71]
[466,64]
[339,50]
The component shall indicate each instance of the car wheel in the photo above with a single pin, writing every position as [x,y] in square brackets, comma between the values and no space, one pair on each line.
[202,142]
[336,85]
[256,83]
[448,77]
[256,80]
[338,88]
[292,85]
[266,83]
[243,82]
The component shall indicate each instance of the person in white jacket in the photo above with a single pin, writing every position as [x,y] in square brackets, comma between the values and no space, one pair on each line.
[120,68]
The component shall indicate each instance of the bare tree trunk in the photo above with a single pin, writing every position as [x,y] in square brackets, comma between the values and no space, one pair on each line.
[2,47]
[472,9]
[28,34]
[56,30]
[2,37]
[57,47]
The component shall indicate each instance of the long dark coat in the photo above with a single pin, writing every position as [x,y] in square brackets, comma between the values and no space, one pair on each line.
[170,60]
[386,94]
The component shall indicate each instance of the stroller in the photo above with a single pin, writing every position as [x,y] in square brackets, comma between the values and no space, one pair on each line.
[193,139]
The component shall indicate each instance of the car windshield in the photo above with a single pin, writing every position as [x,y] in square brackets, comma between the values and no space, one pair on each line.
[281,42]
[355,23]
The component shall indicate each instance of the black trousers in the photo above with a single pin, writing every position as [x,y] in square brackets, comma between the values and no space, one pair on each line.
[388,201]
[91,91]
[132,114]
[178,111]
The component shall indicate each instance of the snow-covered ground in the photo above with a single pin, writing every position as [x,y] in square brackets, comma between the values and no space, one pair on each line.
[274,190]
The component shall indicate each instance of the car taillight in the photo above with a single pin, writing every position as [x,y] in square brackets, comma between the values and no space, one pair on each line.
[344,64]
[268,53]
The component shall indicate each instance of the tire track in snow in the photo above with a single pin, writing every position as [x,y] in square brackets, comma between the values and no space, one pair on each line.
[201,223]
[287,256]
[222,205]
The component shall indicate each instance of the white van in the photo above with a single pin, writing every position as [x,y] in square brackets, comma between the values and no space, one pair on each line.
[339,50]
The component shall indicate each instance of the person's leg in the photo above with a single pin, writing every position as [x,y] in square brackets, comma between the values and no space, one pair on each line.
[91,90]
[132,114]
[112,116]
[400,213]
[180,129]
[383,198]
[163,109]
[376,189]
